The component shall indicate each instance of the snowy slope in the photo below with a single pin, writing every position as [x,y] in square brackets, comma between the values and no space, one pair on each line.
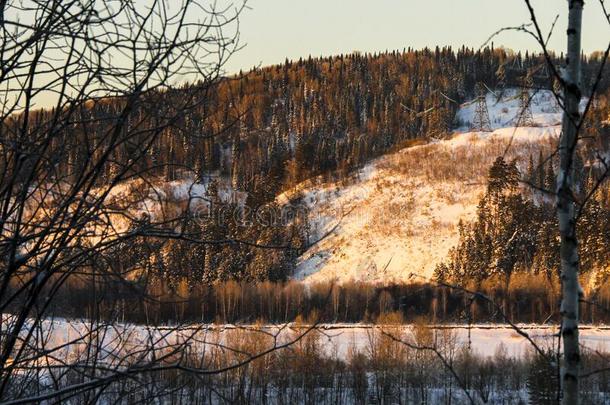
[504,112]
[400,213]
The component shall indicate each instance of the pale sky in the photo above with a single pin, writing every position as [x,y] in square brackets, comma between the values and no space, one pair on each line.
[275,29]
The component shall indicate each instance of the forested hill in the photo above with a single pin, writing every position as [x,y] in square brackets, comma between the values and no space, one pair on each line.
[267,130]
[272,127]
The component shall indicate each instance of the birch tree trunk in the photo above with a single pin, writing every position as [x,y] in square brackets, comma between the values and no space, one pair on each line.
[566,211]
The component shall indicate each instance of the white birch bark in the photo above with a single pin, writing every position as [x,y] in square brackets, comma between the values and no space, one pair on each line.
[566,211]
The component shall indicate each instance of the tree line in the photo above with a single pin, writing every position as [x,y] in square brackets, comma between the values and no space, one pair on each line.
[529,298]
[270,128]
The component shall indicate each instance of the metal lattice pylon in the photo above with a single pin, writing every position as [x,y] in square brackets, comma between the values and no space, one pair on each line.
[481,122]
[525,117]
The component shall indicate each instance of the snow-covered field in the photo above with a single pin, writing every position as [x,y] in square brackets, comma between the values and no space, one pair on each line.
[338,340]
[483,340]
[400,214]
[120,347]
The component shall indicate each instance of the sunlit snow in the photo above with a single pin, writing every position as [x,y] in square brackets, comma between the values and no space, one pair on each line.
[399,215]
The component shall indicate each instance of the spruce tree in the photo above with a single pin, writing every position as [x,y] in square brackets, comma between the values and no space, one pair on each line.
[542,382]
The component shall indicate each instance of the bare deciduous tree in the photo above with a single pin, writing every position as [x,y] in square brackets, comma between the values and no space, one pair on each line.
[570,202]
[566,211]
[87,87]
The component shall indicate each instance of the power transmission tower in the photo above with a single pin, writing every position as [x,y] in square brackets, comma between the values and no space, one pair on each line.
[501,77]
[481,122]
[525,117]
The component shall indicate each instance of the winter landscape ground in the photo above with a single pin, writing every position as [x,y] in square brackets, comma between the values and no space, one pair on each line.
[398,217]
[424,224]
[336,339]
[392,221]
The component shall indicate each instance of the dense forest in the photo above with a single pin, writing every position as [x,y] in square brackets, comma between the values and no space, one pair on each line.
[516,228]
[273,127]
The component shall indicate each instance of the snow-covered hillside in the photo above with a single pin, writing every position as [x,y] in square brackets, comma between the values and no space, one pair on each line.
[400,214]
